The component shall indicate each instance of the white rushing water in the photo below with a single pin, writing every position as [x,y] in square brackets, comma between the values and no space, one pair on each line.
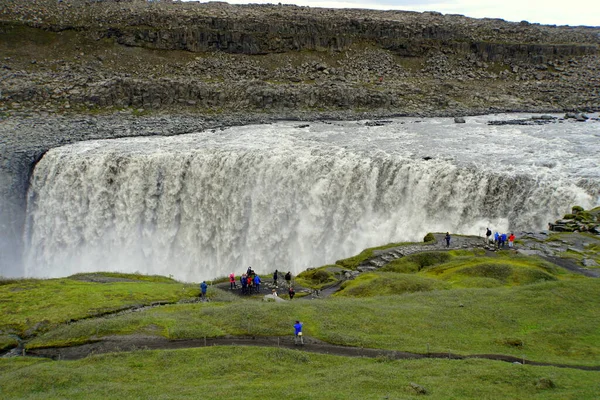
[284,196]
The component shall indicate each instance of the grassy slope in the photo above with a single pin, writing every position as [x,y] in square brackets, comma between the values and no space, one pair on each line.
[30,306]
[261,373]
[553,321]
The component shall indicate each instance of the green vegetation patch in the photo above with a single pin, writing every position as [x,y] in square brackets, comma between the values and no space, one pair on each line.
[505,269]
[418,261]
[247,372]
[557,321]
[386,283]
[32,306]
[319,278]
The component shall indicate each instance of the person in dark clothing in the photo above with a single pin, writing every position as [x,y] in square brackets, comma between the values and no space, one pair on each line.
[288,277]
[488,234]
[203,287]
[447,239]
[291,292]
[275,278]
[244,282]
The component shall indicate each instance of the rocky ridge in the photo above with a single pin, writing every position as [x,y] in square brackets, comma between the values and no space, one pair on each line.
[82,56]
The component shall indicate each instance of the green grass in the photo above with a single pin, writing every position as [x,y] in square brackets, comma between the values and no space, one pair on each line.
[32,306]
[384,284]
[263,373]
[319,278]
[557,321]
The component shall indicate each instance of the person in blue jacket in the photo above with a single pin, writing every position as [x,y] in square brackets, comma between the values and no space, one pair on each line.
[502,239]
[298,333]
[257,283]
[203,287]
[447,237]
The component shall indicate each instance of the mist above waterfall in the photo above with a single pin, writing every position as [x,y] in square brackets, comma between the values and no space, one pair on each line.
[281,196]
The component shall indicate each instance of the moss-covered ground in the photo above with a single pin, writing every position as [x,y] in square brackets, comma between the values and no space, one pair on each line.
[260,373]
[461,301]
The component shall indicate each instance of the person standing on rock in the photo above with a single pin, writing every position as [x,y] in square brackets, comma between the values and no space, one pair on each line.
[232,284]
[298,333]
[447,237]
[511,240]
[257,283]
[275,278]
[203,287]
[288,277]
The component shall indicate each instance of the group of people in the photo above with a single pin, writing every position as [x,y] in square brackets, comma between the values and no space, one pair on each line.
[499,240]
[250,282]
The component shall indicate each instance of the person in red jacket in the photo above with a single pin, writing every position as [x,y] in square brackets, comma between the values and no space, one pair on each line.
[511,240]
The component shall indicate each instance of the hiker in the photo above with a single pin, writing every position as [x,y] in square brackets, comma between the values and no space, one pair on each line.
[275,278]
[249,271]
[203,287]
[291,292]
[244,283]
[488,235]
[502,239]
[274,293]
[288,277]
[298,333]
[232,284]
[497,239]
[447,237]
[257,283]
[511,240]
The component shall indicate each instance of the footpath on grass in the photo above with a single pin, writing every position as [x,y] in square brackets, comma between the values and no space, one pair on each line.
[136,343]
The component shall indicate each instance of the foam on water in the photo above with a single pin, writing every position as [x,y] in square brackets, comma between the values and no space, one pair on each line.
[281,196]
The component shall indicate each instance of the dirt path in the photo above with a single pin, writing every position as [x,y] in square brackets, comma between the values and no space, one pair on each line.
[133,343]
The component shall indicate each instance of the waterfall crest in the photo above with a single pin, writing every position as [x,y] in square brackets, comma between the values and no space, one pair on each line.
[196,209]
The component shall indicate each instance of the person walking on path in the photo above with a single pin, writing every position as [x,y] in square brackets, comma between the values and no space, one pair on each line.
[447,239]
[488,235]
[203,287]
[275,278]
[511,240]
[298,333]
[502,239]
[288,278]
[291,292]
[232,284]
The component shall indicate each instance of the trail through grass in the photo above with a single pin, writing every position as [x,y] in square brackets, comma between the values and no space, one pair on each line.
[260,373]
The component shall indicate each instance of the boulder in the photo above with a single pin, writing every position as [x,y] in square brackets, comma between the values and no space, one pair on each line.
[459,120]
[588,262]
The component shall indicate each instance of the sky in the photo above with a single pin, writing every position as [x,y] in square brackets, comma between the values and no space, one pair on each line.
[551,12]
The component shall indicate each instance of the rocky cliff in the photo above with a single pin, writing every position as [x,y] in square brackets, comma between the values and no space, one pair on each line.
[215,57]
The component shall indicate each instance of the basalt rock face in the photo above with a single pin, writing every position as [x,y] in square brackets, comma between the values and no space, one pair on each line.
[215,57]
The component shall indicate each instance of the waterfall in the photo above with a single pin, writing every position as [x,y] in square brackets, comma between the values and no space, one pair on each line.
[198,207]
